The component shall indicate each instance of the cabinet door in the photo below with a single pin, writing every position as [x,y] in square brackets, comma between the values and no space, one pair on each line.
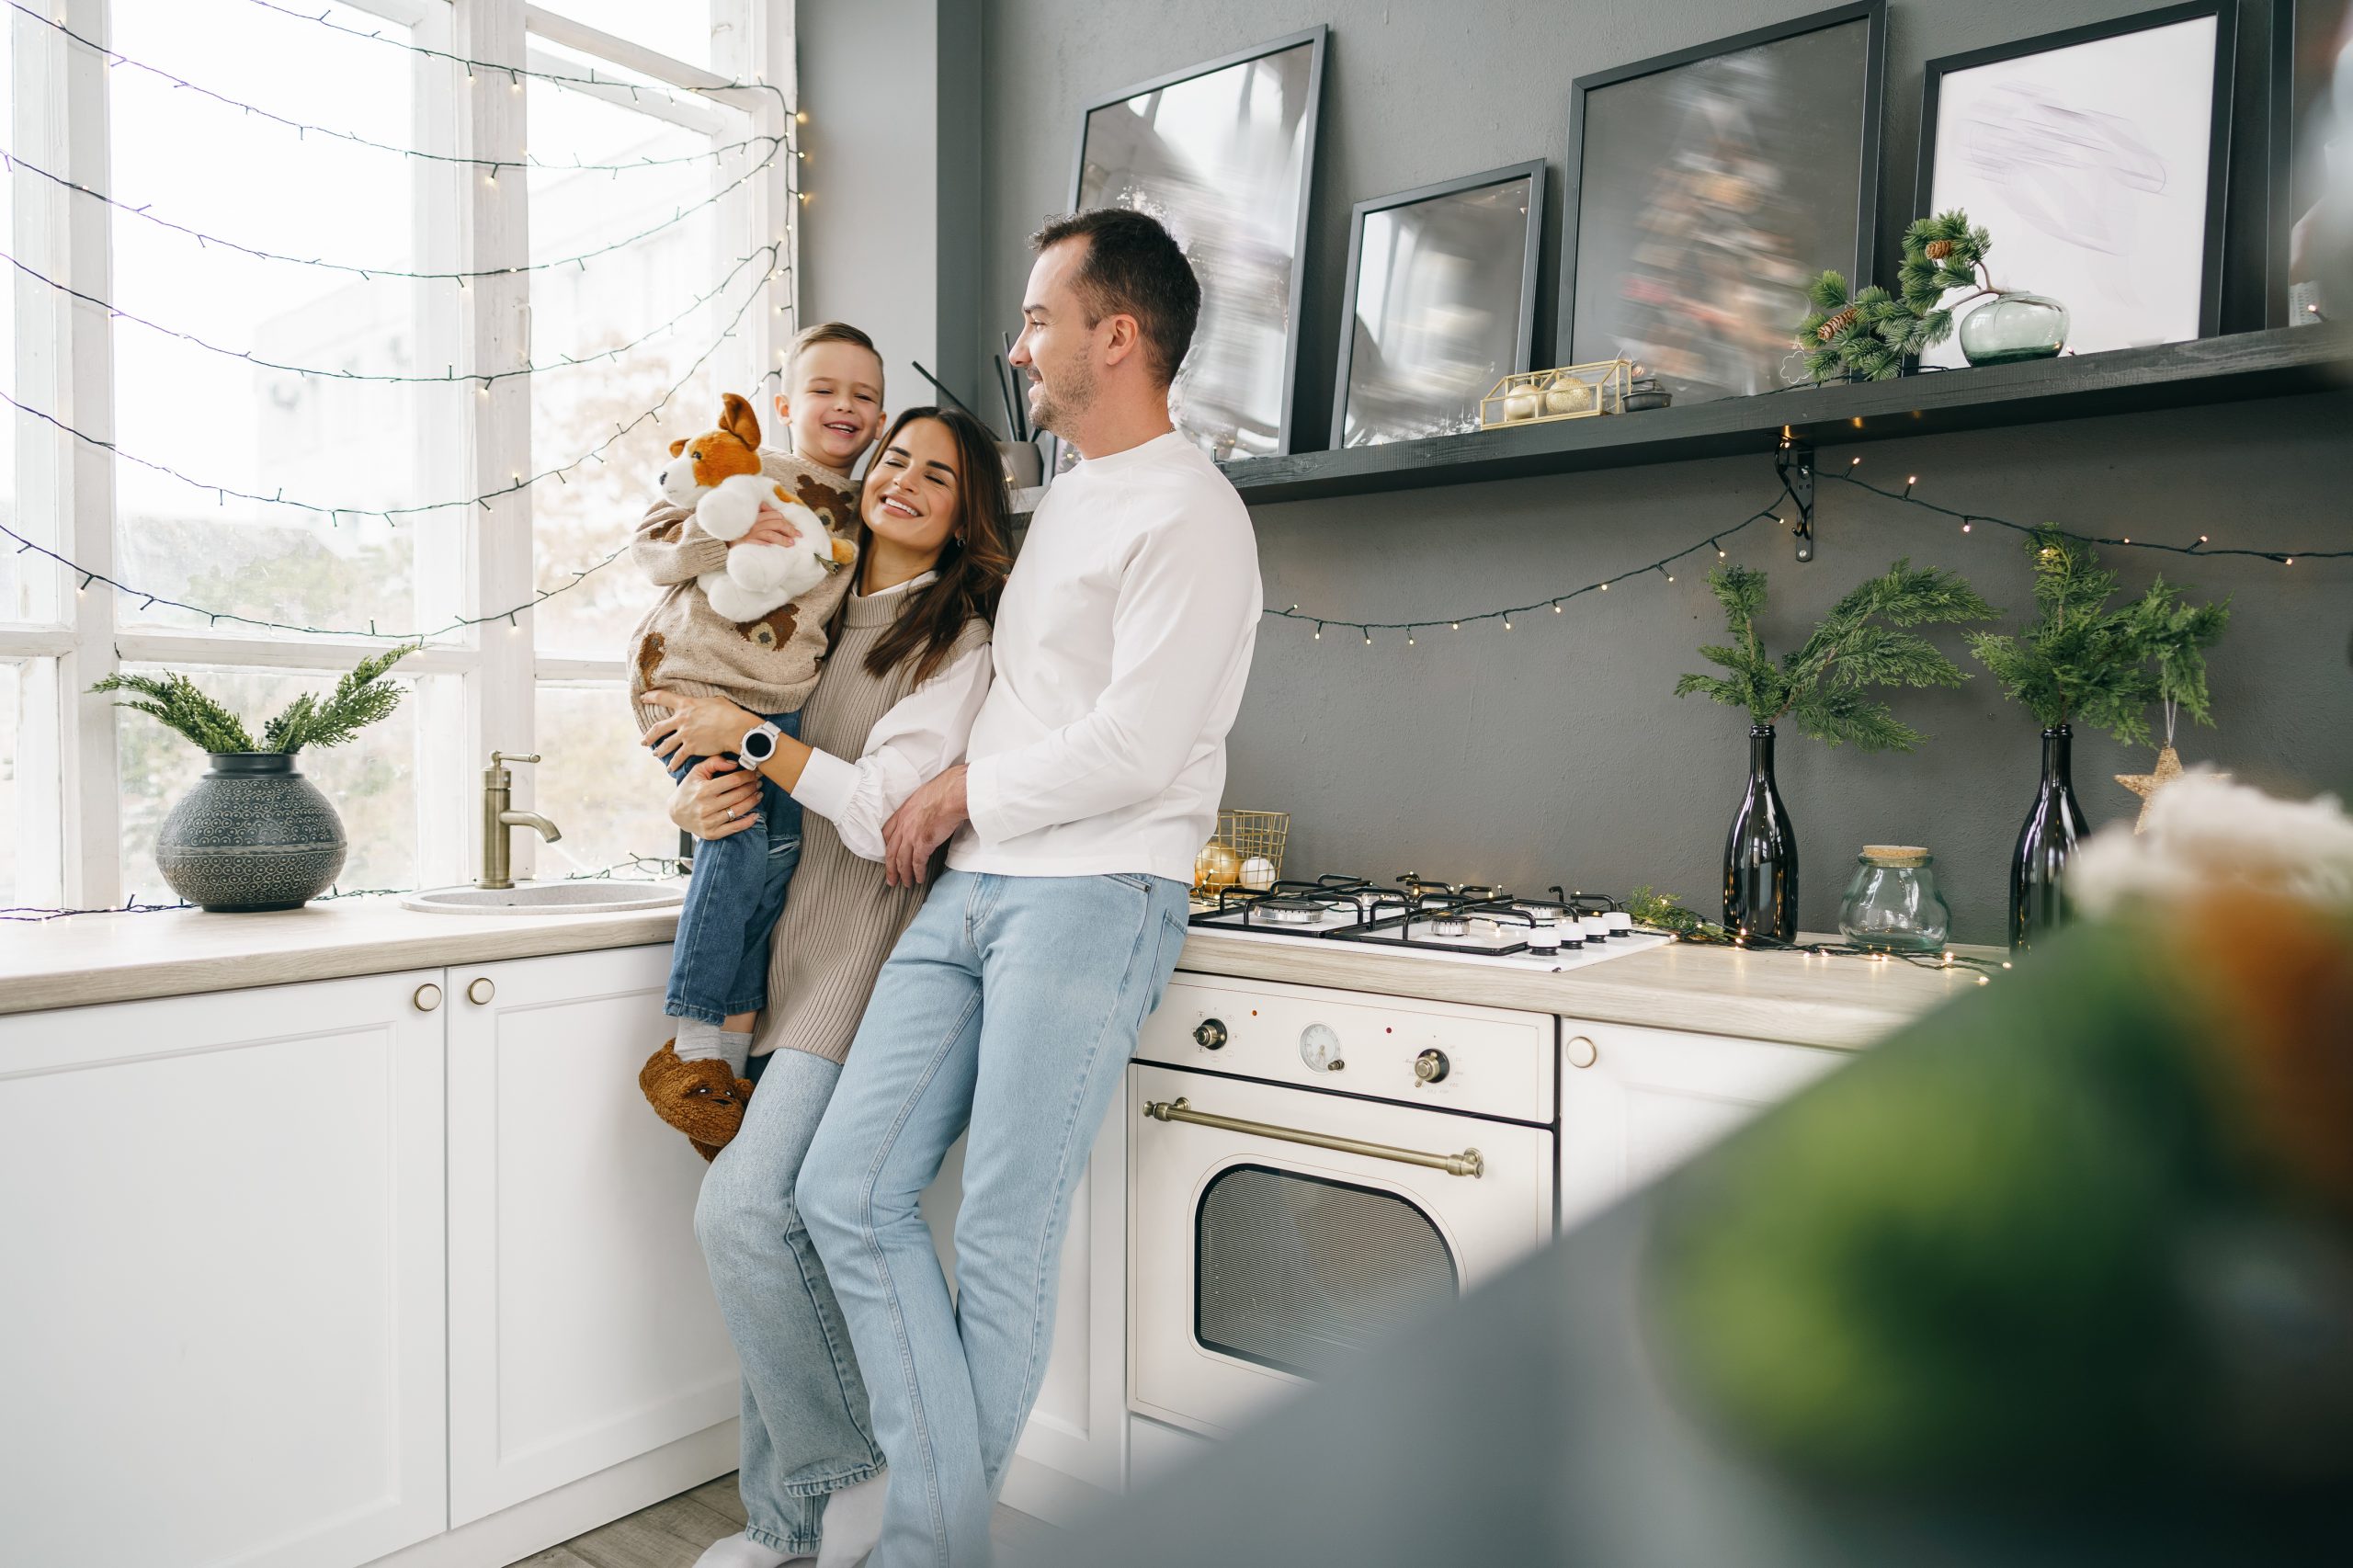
[582,1327]
[220,1274]
[1635,1102]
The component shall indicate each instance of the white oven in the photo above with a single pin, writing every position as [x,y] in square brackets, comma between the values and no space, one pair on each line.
[1310,1169]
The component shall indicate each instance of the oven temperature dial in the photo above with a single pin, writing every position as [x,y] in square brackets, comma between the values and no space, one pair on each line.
[1430,1066]
[1320,1049]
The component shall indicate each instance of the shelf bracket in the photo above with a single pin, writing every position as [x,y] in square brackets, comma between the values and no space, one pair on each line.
[1793,462]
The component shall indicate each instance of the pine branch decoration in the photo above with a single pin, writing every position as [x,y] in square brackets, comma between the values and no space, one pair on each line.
[2083,662]
[359,698]
[1865,644]
[173,701]
[1871,332]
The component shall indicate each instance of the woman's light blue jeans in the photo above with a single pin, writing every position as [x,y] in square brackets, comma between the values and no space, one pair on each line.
[1013,1002]
[806,1432]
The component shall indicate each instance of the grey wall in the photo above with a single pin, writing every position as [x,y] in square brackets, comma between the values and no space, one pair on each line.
[1556,753]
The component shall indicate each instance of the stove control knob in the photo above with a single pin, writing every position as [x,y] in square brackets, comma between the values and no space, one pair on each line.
[1430,1066]
[1210,1035]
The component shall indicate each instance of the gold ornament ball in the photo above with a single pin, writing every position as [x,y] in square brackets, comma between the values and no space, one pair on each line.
[1568,396]
[1216,867]
[1519,405]
[1257,873]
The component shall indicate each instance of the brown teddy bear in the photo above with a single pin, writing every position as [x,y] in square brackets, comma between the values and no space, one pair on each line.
[703,1099]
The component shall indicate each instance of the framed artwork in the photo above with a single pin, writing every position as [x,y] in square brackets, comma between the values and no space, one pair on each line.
[1222,154]
[2311,128]
[1707,188]
[2097,157]
[1441,304]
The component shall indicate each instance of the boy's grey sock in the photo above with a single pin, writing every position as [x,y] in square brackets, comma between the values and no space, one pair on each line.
[699,1041]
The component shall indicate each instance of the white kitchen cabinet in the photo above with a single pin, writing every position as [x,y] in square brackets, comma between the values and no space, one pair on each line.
[583,1329]
[221,1277]
[1637,1102]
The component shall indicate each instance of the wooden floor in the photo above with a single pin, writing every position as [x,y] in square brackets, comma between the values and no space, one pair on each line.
[673,1534]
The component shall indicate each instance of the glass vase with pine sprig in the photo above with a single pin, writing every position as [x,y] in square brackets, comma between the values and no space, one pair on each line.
[2085,662]
[254,834]
[1827,688]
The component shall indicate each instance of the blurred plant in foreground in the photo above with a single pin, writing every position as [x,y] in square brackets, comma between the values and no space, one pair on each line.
[2094,1223]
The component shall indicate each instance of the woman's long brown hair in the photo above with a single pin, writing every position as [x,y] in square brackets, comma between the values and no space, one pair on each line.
[971,574]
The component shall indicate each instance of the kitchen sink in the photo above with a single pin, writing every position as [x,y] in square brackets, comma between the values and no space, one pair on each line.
[585,895]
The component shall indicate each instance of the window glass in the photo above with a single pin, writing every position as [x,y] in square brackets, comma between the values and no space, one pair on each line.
[605,792]
[12,711]
[630,313]
[679,28]
[371,779]
[333,439]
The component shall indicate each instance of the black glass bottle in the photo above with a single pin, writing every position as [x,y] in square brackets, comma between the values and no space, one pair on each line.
[2047,842]
[1761,855]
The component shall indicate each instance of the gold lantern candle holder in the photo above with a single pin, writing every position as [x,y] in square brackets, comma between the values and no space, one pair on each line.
[1245,853]
[1571,392]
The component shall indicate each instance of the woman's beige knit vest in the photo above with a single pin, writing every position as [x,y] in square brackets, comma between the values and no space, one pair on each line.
[840,921]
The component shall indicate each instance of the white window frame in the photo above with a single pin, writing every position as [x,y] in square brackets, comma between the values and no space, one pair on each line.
[60,118]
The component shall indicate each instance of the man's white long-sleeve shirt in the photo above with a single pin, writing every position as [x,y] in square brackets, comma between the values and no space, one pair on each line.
[1122,645]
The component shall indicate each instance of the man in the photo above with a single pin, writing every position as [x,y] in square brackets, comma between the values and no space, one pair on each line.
[1014,1000]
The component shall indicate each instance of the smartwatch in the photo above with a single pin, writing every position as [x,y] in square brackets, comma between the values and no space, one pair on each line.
[759,743]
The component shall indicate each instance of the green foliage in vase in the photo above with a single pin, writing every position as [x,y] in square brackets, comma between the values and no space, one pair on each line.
[1870,332]
[359,698]
[1824,686]
[2086,663]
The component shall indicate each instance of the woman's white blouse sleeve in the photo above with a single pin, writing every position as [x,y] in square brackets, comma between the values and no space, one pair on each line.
[915,742]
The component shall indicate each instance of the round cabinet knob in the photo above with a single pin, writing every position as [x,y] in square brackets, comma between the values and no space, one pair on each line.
[1430,1066]
[427,997]
[1583,1053]
[480,991]
[1210,1034]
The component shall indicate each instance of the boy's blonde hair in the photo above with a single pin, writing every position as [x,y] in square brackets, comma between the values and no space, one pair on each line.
[828,331]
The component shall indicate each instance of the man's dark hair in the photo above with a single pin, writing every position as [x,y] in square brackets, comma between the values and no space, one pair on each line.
[1133,268]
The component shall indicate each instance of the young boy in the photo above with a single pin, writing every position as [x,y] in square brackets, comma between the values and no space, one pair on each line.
[831,404]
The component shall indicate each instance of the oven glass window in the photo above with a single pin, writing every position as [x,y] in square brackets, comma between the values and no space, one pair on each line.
[1299,1273]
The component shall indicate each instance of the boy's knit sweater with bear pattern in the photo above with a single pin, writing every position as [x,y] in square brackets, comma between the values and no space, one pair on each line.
[768,665]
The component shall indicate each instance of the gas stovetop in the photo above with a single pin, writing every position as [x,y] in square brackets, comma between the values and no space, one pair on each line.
[1431,919]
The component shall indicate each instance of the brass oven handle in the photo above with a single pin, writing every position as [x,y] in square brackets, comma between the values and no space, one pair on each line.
[1467,1164]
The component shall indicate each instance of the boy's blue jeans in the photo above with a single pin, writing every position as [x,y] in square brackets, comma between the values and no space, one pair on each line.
[719,964]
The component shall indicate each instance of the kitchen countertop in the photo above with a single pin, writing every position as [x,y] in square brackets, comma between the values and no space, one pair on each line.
[90,958]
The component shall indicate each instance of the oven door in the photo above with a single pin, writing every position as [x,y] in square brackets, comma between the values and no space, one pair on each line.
[1261,1257]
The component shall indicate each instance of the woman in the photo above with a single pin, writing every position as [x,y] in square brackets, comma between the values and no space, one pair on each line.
[907,668]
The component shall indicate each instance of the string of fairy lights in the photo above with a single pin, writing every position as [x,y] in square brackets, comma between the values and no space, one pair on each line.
[636,868]
[1664,566]
[304,129]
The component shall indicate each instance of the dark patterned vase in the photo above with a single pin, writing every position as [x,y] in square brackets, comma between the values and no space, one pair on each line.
[253,834]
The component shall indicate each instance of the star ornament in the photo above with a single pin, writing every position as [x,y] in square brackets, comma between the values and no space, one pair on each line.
[2146,785]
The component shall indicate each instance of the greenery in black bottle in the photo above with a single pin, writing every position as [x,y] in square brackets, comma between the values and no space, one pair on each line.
[2084,662]
[1824,689]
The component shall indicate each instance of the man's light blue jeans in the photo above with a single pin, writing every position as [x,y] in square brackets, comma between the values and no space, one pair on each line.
[1013,1002]
[806,1433]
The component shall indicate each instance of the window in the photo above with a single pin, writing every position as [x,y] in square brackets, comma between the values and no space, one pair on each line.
[302,219]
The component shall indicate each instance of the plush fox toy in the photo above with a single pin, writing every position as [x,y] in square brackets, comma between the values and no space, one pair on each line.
[718,474]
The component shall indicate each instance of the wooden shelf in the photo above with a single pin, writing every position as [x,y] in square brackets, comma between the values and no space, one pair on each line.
[2276,363]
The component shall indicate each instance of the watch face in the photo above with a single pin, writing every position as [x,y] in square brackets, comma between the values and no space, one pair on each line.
[759,746]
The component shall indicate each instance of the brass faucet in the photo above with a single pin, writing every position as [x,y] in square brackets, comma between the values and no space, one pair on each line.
[497,817]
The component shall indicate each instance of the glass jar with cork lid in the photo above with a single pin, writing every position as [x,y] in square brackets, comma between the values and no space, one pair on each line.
[1892,904]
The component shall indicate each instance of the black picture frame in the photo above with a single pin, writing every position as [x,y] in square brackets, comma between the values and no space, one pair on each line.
[1524,339]
[2286,25]
[1317,39]
[2218,145]
[1862,267]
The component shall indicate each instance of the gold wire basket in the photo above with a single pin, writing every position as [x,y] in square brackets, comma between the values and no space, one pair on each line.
[1241,837]
[1572,392]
